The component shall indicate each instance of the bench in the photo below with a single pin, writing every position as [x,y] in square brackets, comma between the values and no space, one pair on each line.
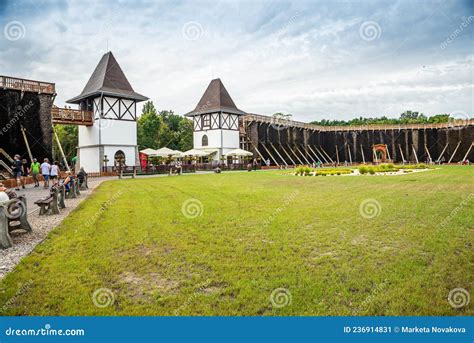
[13,216]
[48,205]
[84,185]
[73,189]
[60,190]
[127,171]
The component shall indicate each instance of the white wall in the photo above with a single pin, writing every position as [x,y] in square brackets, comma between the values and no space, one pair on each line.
[89,159]
[118,132]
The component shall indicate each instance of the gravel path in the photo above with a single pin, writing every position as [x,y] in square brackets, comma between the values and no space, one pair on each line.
[23,243]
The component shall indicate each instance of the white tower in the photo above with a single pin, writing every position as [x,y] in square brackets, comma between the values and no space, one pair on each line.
[112,100]
[216,121]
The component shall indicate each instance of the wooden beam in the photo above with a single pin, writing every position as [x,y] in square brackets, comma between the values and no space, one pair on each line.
[467,153]
[401,153]
[287,154]
[337,154]
[304,157]
[269,153]
[428,152]
[454,153]
[297,157]
[442,152]
[322,155]
[350,155]
[362,151]
[308,154]
[286,164]
[330,159]
[315,154]
[414,152]
[388,152]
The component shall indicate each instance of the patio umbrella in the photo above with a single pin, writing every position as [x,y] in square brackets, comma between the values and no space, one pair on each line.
[239,152]
[163,152]
[148,151]
[195,152]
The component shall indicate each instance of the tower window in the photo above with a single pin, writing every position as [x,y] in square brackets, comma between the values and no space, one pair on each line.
[206,121]
[205,140]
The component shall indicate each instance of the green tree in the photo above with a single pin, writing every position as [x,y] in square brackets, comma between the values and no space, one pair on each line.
[149,127]
[68,136]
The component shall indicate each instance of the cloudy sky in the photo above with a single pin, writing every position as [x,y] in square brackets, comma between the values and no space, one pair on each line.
[314,59]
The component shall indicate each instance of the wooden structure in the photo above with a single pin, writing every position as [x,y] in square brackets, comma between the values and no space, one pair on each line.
[70,116]
[24,85]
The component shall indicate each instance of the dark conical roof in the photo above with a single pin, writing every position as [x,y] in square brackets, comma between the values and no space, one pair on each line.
[109,79]
[215,98]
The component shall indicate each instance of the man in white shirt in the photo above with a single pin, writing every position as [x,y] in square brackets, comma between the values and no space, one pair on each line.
[45,171]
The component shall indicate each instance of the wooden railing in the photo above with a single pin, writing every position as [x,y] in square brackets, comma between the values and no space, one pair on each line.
[291,123]
[7,82]
[71,117]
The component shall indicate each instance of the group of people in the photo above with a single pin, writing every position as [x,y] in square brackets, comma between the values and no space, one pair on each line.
[49,172]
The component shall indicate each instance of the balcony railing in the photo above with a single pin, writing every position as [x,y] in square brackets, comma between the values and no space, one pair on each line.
[71,117]
[7,82]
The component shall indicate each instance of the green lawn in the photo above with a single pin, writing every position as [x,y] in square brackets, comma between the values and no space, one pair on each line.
[255,233]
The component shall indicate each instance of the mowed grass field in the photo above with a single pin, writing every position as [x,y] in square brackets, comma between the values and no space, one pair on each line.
[142,247]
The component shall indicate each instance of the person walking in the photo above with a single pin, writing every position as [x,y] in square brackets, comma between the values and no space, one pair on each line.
[45,171]
[17,171]
[35,170]
[54,172]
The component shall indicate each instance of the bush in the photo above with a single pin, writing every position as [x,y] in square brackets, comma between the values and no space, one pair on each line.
[371,170]
[363,169]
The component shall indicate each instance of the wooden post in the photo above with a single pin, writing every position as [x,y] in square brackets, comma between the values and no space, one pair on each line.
[287,154]
[467,153]
[401,153]
[322,155]
[269,153]
[294,154]
[286,164]
[330,159]
[388,152]
[61,149]
[27,144]
[454,153]
[428,152]
[337,155]
[315,154]
[304,157]
[350,155]
[442,152]
[414,152]
[362,151]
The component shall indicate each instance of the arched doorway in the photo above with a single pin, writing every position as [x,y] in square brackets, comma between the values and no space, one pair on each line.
[119,158]
[205,141]
[380,152]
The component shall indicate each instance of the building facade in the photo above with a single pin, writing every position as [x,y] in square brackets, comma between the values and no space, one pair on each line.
[216,121]
[113,137]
